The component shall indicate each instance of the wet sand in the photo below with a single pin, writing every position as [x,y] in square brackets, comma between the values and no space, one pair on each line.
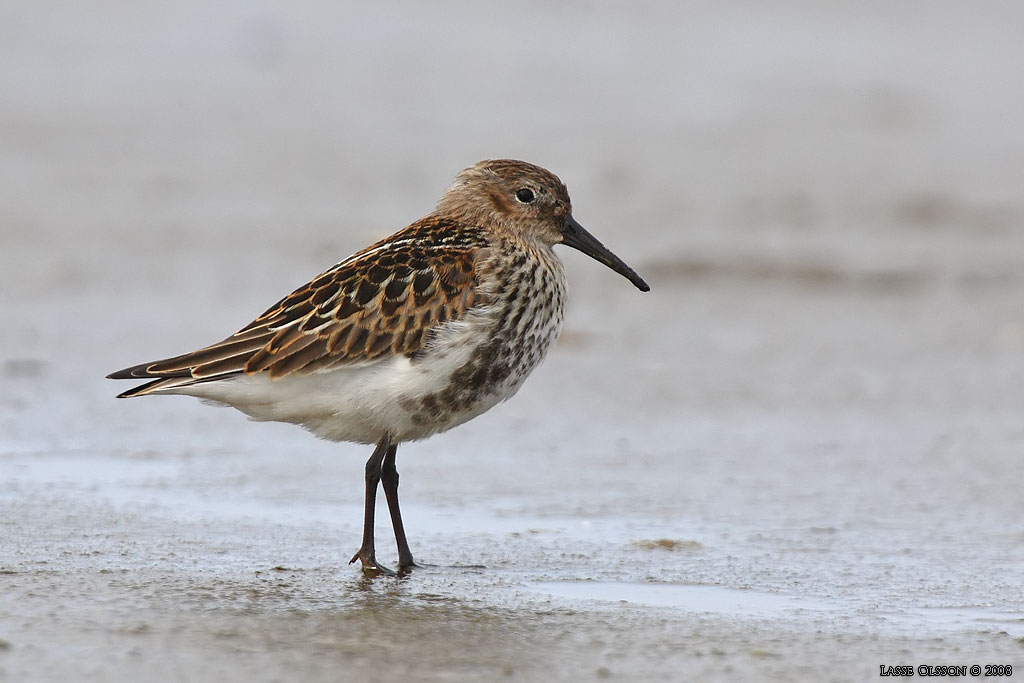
[796,459]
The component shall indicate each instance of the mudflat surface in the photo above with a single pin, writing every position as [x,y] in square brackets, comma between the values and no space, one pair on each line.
[798,458]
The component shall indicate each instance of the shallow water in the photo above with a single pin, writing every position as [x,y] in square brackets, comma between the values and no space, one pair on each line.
[797,458]
[783,607]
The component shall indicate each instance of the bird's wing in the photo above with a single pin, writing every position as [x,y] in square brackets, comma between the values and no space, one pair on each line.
[382,301]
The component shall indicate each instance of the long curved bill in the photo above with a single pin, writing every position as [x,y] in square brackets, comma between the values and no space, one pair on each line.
[575,236]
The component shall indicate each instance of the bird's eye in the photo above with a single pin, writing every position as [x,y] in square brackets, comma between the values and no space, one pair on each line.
[525,195]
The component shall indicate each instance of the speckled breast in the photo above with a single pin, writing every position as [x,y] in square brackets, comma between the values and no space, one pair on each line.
[524,317]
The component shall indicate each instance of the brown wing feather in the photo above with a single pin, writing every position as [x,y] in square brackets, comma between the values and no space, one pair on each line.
[383,301]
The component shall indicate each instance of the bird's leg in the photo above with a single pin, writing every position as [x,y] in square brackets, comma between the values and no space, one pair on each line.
[366,553]
[389,481]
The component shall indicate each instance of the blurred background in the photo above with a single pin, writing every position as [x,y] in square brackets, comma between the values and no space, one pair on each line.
[169,170]
[822,391]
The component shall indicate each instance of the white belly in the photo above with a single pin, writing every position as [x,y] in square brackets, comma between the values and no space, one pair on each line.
[408,399]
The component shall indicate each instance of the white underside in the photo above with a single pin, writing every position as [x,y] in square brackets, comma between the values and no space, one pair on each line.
[359,403]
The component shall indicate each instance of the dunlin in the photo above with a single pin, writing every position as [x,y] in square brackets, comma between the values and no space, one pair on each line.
[411,336]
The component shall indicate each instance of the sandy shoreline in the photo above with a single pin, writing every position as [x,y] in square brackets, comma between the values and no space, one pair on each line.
[796,459]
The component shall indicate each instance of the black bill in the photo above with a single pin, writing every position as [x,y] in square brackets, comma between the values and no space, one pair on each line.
[575,236]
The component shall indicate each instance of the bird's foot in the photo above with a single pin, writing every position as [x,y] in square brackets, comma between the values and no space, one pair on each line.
[370,564]
[405,567]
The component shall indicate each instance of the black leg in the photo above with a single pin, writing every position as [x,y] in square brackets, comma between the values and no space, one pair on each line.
[366,553]
[389,481]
